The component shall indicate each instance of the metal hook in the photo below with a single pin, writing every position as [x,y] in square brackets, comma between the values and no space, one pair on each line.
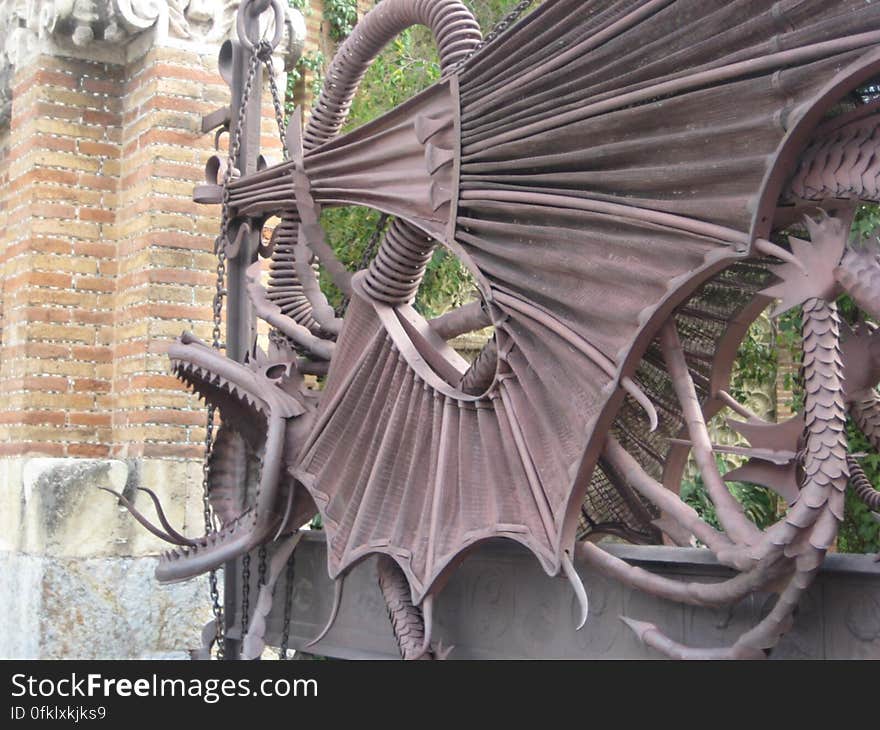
[233,248]
[249,17]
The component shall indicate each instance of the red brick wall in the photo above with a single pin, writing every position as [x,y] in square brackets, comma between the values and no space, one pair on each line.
[104,257]
[163,250]
[58,258]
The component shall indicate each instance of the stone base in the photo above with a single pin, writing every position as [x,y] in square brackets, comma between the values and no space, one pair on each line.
[76,570]
[96,608]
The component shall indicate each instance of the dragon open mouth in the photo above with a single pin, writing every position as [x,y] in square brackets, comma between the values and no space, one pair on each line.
[250,493]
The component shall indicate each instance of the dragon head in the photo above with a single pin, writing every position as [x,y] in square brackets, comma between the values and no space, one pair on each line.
[265,414]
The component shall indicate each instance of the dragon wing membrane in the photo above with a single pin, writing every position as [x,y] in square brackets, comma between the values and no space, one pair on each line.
[609,162]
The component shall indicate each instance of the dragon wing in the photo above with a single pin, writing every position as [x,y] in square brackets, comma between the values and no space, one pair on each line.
[603,164]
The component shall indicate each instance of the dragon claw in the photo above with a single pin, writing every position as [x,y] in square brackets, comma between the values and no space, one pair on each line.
[440,652]
[639,628]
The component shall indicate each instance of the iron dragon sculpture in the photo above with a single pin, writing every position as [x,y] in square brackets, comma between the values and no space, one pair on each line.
[631,184]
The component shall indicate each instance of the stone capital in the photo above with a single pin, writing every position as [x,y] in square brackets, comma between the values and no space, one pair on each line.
[118,31]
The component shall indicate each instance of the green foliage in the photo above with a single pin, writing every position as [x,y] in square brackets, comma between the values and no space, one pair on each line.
[693,492]
[860,533]
[756,361]
[349,231]
[341,15]
[447,284]
[867,221]
[313,61]
[407,66]
[788,337]
[759,504]
[489,12]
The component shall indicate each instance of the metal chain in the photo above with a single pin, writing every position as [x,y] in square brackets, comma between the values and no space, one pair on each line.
[288,604]
[213,589]
[265,49]
[262,54]
[217,311]
[499,28]
[262,565]
[245,591]
[225,218]
[265,52]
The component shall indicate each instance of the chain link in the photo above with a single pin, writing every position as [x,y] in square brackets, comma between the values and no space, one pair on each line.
[216,608]
[373,243]
[262,565]
[265,49]
[276,97]
[245,591]
[499,28]
[264,52]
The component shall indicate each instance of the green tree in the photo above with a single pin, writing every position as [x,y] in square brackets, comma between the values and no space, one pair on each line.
[408,65]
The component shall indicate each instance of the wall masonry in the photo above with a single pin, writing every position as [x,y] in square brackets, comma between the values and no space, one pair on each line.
[104,259]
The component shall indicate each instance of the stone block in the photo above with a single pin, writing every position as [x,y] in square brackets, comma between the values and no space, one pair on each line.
[53,506]
[96,608]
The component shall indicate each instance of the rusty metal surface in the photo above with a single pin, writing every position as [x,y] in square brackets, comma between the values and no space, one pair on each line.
[611,174]
[540,185]
[500,605]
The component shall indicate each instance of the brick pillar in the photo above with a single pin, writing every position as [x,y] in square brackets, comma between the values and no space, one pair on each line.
[104,259]
[165,278]
[58,259]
